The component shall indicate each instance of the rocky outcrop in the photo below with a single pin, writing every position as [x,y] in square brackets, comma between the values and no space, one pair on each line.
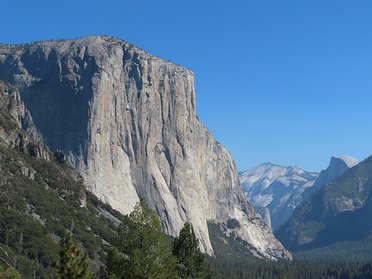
[264,212]
[126,121]
[337,166]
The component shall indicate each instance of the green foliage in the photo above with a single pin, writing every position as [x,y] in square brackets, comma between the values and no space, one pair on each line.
[298,269]
[189,257]
[7,122]
[140,250]
[60,157]
[73,264]
[8,273]
[234,261]
[34,214]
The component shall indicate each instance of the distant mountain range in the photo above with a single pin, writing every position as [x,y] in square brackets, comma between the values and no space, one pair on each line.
[276,187]
[337,217]
[281,189]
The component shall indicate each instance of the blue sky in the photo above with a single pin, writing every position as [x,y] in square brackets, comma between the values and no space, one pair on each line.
[286,81]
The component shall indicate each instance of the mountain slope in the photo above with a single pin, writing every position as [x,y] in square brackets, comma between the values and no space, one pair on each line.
[278,188]
[41,199]
[126,121]
[340,212]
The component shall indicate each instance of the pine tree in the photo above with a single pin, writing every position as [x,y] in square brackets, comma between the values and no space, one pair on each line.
[140,251]
[9,273]
[190,258]
[73,264]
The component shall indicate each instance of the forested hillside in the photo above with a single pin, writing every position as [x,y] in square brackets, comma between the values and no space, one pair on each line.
[40,201]
[338,216]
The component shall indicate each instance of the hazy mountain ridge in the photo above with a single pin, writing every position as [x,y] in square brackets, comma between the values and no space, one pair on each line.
[338,213]
[281,189]
[278,188]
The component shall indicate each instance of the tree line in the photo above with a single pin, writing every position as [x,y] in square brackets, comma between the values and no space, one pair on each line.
[140,251]
[304,268]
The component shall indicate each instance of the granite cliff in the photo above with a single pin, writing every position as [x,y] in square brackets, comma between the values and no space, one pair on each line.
[337,166]
[126,121]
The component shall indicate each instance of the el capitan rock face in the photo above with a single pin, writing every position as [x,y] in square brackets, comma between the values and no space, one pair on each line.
[126,121]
